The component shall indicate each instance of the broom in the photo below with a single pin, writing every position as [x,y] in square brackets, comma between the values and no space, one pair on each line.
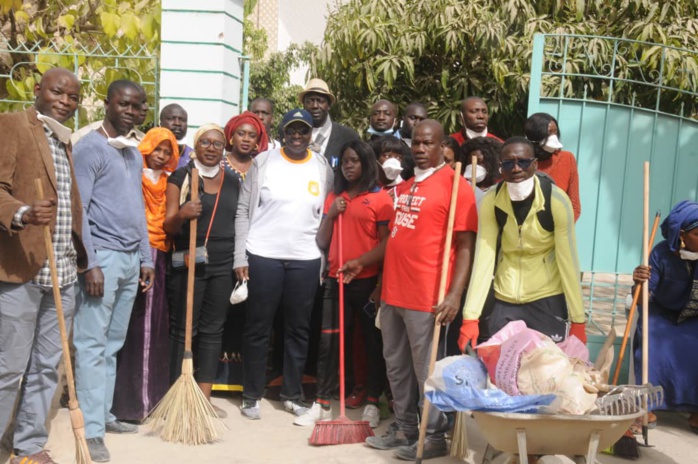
[342,431]
[184,414]
[437,325]
[645,299]
[459,442]
[82,454]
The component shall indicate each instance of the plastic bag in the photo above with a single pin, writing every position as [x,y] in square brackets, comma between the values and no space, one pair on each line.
[459,383]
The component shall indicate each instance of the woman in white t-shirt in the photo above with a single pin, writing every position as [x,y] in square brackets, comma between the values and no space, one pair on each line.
[278,217]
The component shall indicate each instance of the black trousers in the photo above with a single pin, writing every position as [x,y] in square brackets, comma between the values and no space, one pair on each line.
[356,298]
[212,291]
[290,284]
[547,315]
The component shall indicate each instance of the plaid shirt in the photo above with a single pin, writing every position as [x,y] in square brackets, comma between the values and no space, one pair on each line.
[66,257]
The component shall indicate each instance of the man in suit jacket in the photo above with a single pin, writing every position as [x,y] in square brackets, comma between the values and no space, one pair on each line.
[35,144]
[328,137]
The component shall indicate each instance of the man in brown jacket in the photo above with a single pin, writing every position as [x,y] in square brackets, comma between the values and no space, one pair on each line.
[35,144]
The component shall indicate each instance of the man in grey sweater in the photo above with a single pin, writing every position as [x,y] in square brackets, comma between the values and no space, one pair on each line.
[108,170]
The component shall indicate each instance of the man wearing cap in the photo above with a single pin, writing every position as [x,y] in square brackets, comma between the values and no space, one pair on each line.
[328,137]
[285,186]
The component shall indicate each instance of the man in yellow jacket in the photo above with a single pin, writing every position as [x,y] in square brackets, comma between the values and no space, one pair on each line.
[536,277]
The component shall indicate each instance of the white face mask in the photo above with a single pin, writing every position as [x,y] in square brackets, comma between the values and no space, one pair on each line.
[61,132]
[521,190]
[551,144]
[207,171]
[239,293]
[480,173]
[392,168]
[152,175]
[472,134]
[422,174]
[688,255]
[119,142]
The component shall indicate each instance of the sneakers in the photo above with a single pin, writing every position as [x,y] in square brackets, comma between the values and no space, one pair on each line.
[392,439]
[431,450]
[357,398]
[41,457]
[314,414]
[120,427]
[372,415]
[98,452]
[297,407]
[251,409]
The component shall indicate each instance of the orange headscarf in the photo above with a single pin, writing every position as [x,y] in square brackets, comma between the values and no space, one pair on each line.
[246,117]
[154,193]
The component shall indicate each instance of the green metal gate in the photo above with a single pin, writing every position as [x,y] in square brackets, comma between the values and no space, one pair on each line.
[619,103]
[95,65]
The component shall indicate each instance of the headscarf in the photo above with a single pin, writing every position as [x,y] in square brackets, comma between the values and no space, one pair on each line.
[246,117]
[154,193]
[684,216]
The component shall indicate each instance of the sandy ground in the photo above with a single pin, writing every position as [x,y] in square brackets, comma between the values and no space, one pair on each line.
[275,439]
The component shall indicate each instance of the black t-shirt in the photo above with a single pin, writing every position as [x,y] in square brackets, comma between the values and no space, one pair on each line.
[521,208]
[221,240]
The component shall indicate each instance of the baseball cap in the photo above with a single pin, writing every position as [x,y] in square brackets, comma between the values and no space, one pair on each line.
[297,115]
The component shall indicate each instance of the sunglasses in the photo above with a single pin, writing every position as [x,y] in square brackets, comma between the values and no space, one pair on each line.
[305,130]
[523,163]
[205,143]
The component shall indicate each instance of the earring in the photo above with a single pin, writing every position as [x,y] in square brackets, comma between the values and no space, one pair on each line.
[683,245]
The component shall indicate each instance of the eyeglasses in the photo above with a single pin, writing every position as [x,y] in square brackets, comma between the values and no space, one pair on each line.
[523,163]
[305,130]
[205,143]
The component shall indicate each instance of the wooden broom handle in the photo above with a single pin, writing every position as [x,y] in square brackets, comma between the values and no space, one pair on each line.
[633,308]
[191,270]
[442,293]
[48,243]
[645,285]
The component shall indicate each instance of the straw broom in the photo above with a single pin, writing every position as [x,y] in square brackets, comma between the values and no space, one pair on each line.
[342,431]
[459,443]
[82,454]
[184,414]
[437,323]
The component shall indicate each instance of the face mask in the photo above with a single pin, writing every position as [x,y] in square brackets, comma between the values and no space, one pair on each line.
[520,191]
[61,132]
[551,144]
[480,173]
[472,134]
[239,293]
[422,174]
[688,255]
[152,175]
[392,168]
[207,171]
[119,142]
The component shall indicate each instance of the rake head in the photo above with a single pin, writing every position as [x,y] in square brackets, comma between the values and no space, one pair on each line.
[628,399]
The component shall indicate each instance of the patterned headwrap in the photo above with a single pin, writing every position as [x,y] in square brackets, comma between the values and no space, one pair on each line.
[202,130]
[684,216]
[155,137]
[246,118]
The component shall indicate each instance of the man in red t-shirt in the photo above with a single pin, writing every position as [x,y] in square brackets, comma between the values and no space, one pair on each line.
[474,116]
[411,271]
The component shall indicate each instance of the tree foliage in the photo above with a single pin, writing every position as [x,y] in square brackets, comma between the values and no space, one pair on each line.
[102,40]
[442,51]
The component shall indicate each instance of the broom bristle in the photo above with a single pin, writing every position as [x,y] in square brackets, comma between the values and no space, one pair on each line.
[459,443]
[77,420]
[184,414]
[342,431]
[626,447]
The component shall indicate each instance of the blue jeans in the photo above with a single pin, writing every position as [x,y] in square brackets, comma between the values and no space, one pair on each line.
[30,348]
[292,284]
[100,329]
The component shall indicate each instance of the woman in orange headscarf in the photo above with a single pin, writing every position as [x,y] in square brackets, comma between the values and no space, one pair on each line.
[245,137]
[142,376]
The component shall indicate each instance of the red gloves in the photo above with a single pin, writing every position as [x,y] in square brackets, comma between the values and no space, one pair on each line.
[469,332]
[578,329]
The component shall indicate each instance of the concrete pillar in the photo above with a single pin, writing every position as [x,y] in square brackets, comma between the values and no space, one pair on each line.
[199,59]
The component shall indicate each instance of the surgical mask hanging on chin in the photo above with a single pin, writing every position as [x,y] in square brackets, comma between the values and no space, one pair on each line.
[422,174]
[480,173]
[208,172]
[119,142]
[551,144]
[521,190]
[688,255]
[61,132]
[392,168]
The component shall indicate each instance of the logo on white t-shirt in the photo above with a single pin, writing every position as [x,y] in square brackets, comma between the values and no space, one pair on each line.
[314,188]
